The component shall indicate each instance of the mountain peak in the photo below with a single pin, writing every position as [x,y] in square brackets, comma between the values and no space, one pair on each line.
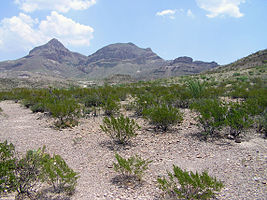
[123,51]
[54,42]
[52,46]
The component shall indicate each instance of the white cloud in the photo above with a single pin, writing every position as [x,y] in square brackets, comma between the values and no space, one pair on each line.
[169,13]
[221,7]
[23,33]
[57,5]
[189,13]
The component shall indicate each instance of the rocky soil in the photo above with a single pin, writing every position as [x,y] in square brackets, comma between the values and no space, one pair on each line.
[241,166]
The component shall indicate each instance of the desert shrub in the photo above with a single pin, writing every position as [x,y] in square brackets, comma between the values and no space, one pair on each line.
[27,172]
[66,111]
[120,129]
[57,173]
[182,184]
[196,88]
[92,100]
[143,102]
[237,119]
[7,166]
[236,74]
[133,166]
[36,169]
[256,102]
[239,90]
[251,73]
[1,110]
[163,116]
[38,107]
[242,78]
[263,123]
[211,115]
[111,106]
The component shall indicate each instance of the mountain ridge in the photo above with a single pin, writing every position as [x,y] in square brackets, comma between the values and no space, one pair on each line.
[53,58]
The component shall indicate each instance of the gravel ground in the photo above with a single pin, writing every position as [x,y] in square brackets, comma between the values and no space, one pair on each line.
[241,166]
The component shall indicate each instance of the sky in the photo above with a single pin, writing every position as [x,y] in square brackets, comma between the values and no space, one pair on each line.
[207,30]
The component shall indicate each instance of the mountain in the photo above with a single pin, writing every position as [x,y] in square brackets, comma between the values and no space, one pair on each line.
[252,60]
[53,59]
[183,66]
[122,58]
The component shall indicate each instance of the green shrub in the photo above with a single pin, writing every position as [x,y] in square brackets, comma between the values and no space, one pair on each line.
[242,78]
[196,88]
[237,119]
[236,74]
[7,167]
[28,170]
[211,115]
[33,171]
[93,100]
[111,106]
[66,112]
[143,102]
[133,166]
[120,129]
[39,107]
[188,185]
[263,123]
[163,116]
[59,174]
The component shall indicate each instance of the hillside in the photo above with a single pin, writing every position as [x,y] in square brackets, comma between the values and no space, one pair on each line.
[252,60]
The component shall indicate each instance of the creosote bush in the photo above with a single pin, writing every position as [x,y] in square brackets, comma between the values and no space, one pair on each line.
[120,129]
[133,166]
[263,123]
[182,184]
[59,174]
[7,167]
[237,119]
[211,115]
[163,116]
[35,170]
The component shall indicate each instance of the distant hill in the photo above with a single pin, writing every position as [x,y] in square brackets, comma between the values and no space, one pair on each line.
[53,59]
[252,60]
[183,66]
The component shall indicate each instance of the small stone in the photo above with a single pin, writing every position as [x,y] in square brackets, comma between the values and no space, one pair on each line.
[238,140]
[230,137]
[256,179]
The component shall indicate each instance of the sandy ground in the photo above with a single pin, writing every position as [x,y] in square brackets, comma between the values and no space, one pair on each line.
[241,166]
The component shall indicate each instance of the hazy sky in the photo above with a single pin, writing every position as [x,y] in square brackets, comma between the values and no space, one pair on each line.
[219,30]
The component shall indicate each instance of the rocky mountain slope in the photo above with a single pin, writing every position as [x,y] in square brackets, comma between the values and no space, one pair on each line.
[53,59]
[252,60]
[184,65]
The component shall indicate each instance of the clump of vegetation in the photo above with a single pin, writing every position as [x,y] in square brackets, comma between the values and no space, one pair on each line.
[66,112]
[163,116]
[211,115]
[111,106]
[236,74]
[26,175]
[182,184]
[196,88]
[120,129]
[133,166]
[59,174]
[237,119]
[7,167]
[263,123]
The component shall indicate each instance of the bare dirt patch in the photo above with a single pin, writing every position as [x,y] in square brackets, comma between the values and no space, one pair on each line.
[241,166]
